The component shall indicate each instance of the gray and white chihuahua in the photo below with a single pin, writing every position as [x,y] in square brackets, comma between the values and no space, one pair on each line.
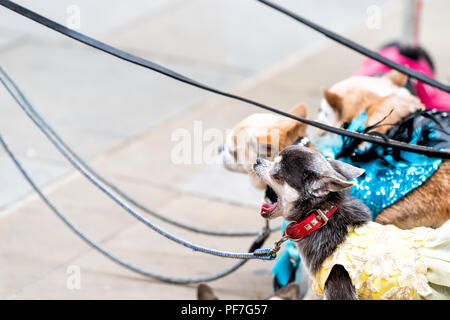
[304,180]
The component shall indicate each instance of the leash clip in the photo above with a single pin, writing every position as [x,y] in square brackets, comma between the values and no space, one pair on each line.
[278,243]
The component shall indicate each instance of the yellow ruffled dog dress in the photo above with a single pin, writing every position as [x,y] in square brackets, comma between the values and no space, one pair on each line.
[385,262]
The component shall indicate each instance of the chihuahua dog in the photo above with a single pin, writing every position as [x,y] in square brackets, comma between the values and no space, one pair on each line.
[312,193]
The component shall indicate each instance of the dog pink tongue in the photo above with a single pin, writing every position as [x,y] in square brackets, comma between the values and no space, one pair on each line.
[267,208]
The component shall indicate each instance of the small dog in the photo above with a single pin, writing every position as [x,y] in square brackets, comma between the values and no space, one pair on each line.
[347,255]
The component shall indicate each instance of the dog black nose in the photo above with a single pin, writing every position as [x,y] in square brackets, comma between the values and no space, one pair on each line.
[257,163]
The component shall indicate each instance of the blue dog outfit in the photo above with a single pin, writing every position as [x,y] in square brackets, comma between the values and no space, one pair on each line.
[389,174]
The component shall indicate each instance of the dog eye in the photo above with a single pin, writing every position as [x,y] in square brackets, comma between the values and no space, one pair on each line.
[345,125]
[275,171]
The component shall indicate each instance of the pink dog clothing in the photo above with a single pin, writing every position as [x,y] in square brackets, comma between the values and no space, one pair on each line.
[431,97]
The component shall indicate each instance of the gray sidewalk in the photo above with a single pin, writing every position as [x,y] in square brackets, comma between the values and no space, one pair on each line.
[121,118]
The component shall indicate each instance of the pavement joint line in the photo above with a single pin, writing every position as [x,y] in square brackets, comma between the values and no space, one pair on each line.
[219,200]
[13,44]
[143,182]
[178,192]
[40,159]
[47,188]
[187,60]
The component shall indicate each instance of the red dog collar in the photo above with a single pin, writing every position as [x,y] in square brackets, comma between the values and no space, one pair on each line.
[300,229]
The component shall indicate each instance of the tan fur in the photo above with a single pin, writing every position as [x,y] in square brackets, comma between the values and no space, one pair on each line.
[387,111]
[259,128]
[334,100]
[427,205]
[288,129]
[204,292]
[349,101]
[378,96]
[397,78]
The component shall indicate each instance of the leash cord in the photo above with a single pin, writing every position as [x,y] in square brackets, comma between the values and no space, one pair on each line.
[179,77]
[258,242]
[263,254]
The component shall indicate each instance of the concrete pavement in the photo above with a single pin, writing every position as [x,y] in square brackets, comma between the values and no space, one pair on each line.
[124,123]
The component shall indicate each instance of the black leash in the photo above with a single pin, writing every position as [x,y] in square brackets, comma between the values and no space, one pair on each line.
[356,47]
[174,75]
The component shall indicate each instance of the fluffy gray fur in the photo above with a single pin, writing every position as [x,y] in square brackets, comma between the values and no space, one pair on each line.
[319,184]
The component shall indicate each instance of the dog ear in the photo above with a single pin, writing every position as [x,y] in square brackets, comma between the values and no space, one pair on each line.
[397,78]
[299,110]
[328,183]
[334,100]
[290,291]
[204,292]
[348,171]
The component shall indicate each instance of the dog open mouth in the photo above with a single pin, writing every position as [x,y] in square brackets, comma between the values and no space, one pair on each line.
[270,204]
[267,209]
